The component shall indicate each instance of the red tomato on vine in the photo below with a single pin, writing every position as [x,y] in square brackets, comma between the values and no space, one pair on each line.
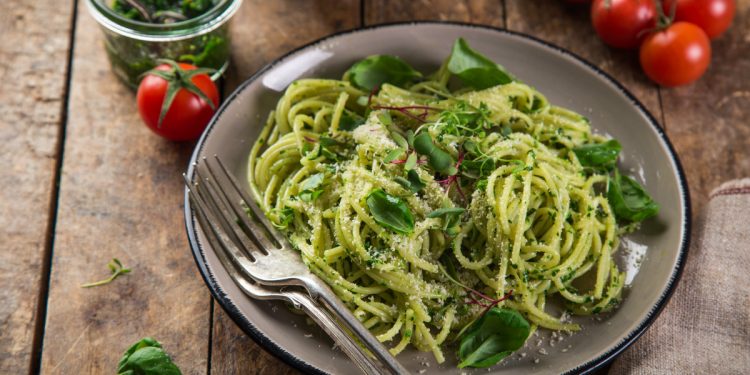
[177,100]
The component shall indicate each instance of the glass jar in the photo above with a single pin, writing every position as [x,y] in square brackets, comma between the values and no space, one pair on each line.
[134,46]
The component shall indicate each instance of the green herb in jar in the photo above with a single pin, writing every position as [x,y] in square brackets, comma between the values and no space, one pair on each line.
[162,11]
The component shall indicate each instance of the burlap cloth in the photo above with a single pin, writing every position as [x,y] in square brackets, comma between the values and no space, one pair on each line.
[705,328]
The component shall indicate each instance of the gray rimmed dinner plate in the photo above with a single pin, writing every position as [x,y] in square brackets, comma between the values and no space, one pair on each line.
[653,257]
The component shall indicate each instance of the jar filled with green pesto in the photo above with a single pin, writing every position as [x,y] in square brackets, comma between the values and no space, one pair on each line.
[139,32]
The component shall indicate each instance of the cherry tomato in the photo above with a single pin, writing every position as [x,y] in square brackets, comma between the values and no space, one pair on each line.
[713,16]
[676,55]
[189,112]
[622,23]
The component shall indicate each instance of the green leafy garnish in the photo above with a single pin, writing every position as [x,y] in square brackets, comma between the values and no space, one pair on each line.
[376,70]
[438,159]
[475,69]
[390,212]
[451,219]
[411,161]
[497,334]
[394,154]
[350,121]
[146,357]
[310,188]
[412,181]
[628,199]
[600,156]
[115,266]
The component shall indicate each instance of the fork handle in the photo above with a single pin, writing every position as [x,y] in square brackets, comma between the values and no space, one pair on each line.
[333,304]
[356,353]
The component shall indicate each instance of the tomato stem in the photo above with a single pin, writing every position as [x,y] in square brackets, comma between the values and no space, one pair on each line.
[177,79]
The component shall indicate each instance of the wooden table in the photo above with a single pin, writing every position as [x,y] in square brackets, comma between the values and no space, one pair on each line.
[86,181]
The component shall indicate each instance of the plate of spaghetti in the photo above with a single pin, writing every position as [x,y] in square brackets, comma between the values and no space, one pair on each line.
[478,198]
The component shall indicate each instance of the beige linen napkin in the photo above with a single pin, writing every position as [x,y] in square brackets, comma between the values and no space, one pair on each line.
[705,328]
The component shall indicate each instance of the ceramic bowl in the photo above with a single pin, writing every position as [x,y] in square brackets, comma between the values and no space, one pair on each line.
[653,257]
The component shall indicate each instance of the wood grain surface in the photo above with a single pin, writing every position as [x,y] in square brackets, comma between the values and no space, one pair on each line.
[32,91]
[257,40]
[709,121]
[120,193]
[488,12]
[120,196]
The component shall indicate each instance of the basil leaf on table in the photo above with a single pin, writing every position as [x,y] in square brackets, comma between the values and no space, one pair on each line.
[390,212]
[599,155]
[146,357]
[376,70]
[497,334]
[628,199]
[475,69]
[438,159]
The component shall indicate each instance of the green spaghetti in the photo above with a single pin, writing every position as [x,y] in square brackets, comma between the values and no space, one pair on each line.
[425,202]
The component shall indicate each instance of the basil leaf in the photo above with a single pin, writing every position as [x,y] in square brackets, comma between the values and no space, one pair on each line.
[376,70]
[390,212]
[438,159]
[310,187]
[350,121]
[446,211]
[412,182]
[497,334]
[599,155]
[146,357]
[628,199]
[474,69]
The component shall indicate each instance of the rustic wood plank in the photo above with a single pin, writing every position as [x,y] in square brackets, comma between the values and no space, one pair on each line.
[264,30]
[33,59]
[120,196]
[570,27]
[488,12]
[708,120]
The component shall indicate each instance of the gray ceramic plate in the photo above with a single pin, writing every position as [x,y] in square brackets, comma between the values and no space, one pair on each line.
[567,81]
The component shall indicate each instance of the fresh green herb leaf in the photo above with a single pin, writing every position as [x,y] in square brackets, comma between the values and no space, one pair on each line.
[629,200]
[446,211]
[310,188]
[599,155]
[400,140]
[474,69]
[394,155]
[115,267]
[385,118]
[451,219]
[390,212]
[146,357]
[478,168]
[376,70]
[285,215]
[350,121]
[438,159]
[411,161]
[412,182]
[497,334]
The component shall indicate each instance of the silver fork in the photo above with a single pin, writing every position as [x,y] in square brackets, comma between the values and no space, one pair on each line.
[297,298]
[264,254]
